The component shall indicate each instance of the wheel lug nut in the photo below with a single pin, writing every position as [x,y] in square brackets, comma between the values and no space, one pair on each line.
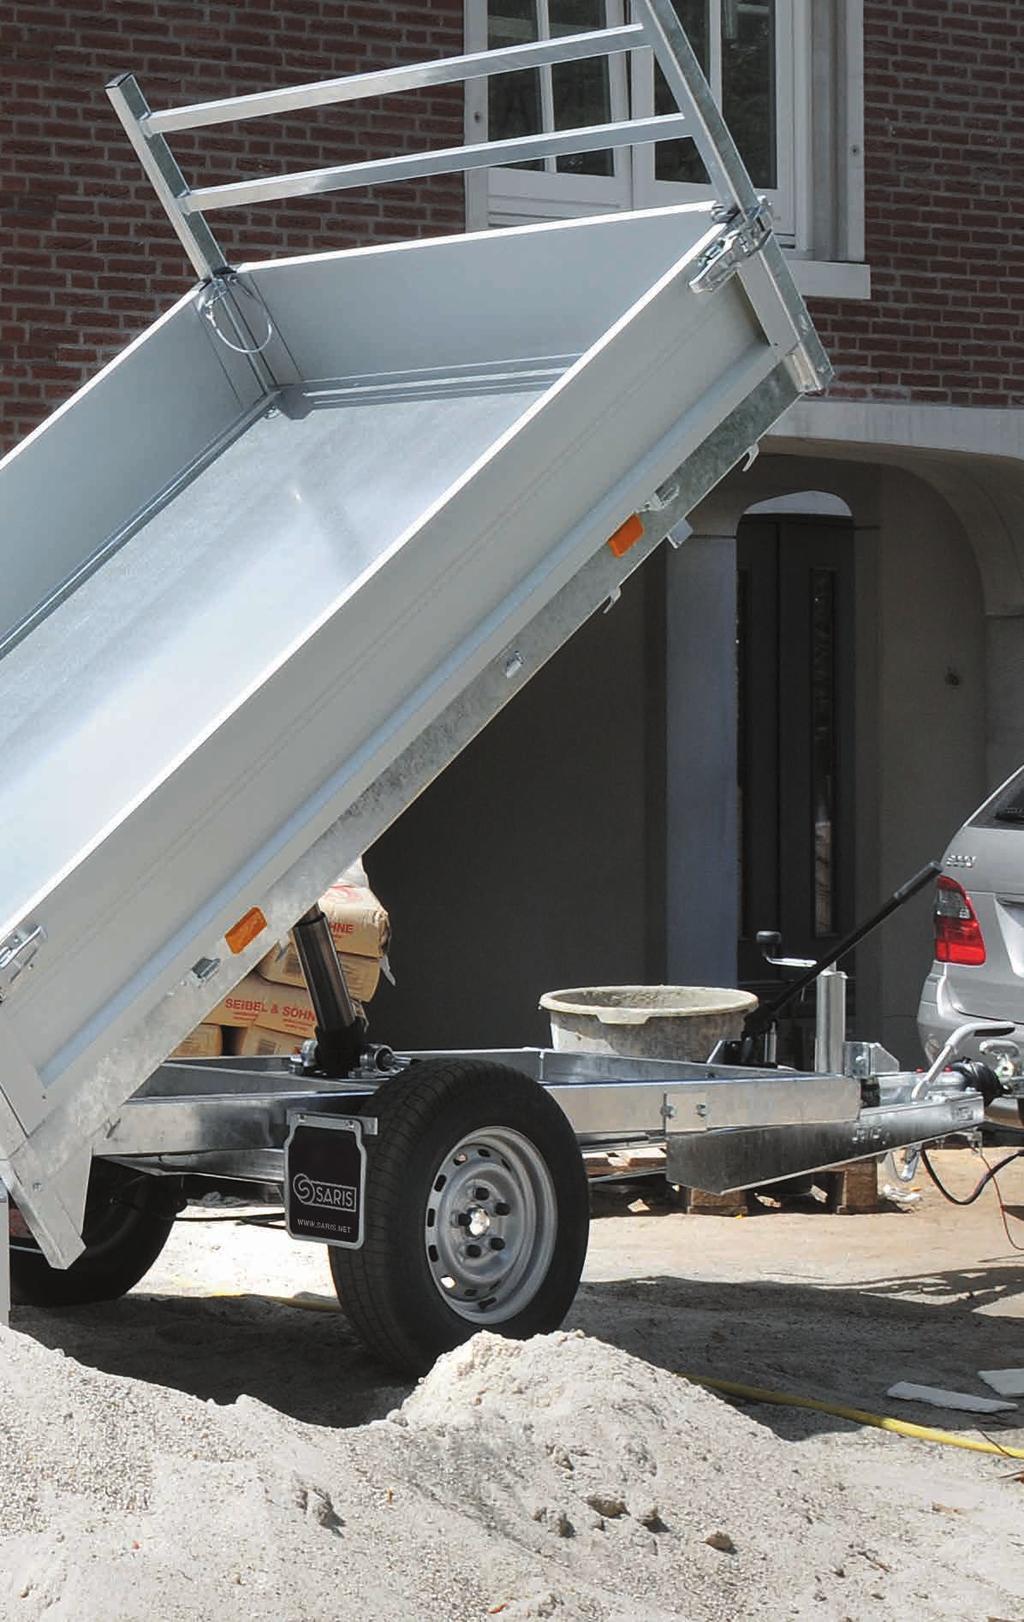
[463,1219]
[501,1209]
[481,1194]
[497,1244]
[473,1250]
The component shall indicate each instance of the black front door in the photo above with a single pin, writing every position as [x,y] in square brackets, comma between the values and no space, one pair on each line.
[795,654]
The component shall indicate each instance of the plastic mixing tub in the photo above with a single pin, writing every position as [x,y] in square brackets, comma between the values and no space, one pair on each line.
[646,1022]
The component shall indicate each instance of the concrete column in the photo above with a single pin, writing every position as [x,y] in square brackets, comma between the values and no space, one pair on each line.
[1004,684]
[921,733]
[702,855]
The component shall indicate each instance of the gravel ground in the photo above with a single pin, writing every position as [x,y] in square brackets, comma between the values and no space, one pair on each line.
[202,1449]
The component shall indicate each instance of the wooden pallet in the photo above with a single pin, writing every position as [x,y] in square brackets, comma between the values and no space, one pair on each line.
[849,1190]
[701,1202]
[631,1163]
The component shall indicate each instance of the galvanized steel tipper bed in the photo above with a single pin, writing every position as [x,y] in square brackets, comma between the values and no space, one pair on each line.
[456,464]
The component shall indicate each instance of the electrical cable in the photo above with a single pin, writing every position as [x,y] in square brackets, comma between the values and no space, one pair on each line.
[1011,1241]
[989,1176]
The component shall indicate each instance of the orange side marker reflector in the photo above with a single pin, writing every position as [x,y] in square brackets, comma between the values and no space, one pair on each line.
[246,930]
[626,535]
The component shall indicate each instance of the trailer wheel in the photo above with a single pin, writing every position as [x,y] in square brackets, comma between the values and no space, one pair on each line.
[128,1217]
[476,1217]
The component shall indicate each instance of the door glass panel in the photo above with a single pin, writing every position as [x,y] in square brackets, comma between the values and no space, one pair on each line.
[582,93]
[679,160]
[748,84]
[513,99]
[747,926]
[795,622]
[823,747]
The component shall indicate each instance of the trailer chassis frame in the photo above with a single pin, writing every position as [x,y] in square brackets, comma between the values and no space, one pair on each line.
[724,1127]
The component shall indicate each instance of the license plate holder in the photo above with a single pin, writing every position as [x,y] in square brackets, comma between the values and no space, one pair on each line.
[325,1180]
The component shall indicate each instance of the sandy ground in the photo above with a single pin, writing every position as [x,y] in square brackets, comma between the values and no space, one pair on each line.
[495,1457]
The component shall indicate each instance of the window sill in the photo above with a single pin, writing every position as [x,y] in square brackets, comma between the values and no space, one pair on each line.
[829,279]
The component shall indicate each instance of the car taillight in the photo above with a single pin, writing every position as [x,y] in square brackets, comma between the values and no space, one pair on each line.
[958,937]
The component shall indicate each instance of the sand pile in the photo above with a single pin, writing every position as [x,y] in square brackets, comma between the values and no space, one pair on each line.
[557,1478]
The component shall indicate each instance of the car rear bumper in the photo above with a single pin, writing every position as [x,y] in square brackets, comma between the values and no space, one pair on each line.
[938,1018]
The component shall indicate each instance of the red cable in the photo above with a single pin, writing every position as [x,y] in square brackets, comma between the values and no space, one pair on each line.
[1002,1208]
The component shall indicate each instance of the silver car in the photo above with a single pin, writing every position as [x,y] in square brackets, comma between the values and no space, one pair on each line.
[978,972]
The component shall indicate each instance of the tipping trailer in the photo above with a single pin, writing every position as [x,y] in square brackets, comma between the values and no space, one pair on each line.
[264,576]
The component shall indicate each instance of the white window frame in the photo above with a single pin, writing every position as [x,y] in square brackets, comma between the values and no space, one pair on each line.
[820,133]
[649,192]
[510,196]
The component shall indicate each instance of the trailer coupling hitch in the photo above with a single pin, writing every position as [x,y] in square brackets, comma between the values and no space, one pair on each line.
[979,1074]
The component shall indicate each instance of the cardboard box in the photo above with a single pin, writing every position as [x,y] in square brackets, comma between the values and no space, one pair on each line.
[362,974]
[257,1043]
[205,1042]
[359,926]
[285,1009]
[288,1009]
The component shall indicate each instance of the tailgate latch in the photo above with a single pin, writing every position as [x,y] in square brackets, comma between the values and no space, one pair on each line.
[17,952]
[745,235]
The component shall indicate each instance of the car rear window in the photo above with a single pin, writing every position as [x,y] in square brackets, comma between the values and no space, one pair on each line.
[1006,810]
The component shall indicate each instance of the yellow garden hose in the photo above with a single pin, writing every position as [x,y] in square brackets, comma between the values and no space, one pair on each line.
[902,1427]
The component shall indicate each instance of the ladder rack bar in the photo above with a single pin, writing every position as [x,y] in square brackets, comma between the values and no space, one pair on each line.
[765,278]
[387,81]
[167,180]
[685,78]
[480,155]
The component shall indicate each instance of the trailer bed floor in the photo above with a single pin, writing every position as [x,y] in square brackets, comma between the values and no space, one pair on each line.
[209,595]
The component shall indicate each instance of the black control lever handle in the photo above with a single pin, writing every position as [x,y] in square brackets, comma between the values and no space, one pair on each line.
[770,941]
[930,871]
[764,1017]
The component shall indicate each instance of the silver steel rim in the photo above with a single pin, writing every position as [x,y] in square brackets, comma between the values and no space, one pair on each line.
[489,1227]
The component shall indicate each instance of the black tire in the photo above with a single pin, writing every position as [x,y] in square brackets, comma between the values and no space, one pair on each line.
[390,1289]
[128,1216]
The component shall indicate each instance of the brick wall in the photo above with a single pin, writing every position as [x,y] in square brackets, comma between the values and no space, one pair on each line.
[944,152]
[87,256]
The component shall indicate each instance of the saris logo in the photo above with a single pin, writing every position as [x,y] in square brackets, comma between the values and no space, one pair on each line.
[323,1196]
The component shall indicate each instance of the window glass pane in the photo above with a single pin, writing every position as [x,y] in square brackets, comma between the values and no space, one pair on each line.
[748,84]
[1008,809]
[513,99]
[679,160]
[581,89]
[823,747]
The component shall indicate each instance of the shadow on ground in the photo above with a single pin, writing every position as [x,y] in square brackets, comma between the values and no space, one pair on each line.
[845,1345]
[304,1363]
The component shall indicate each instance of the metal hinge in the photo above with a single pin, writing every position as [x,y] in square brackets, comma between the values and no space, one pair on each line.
[17,952]
[746,236]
